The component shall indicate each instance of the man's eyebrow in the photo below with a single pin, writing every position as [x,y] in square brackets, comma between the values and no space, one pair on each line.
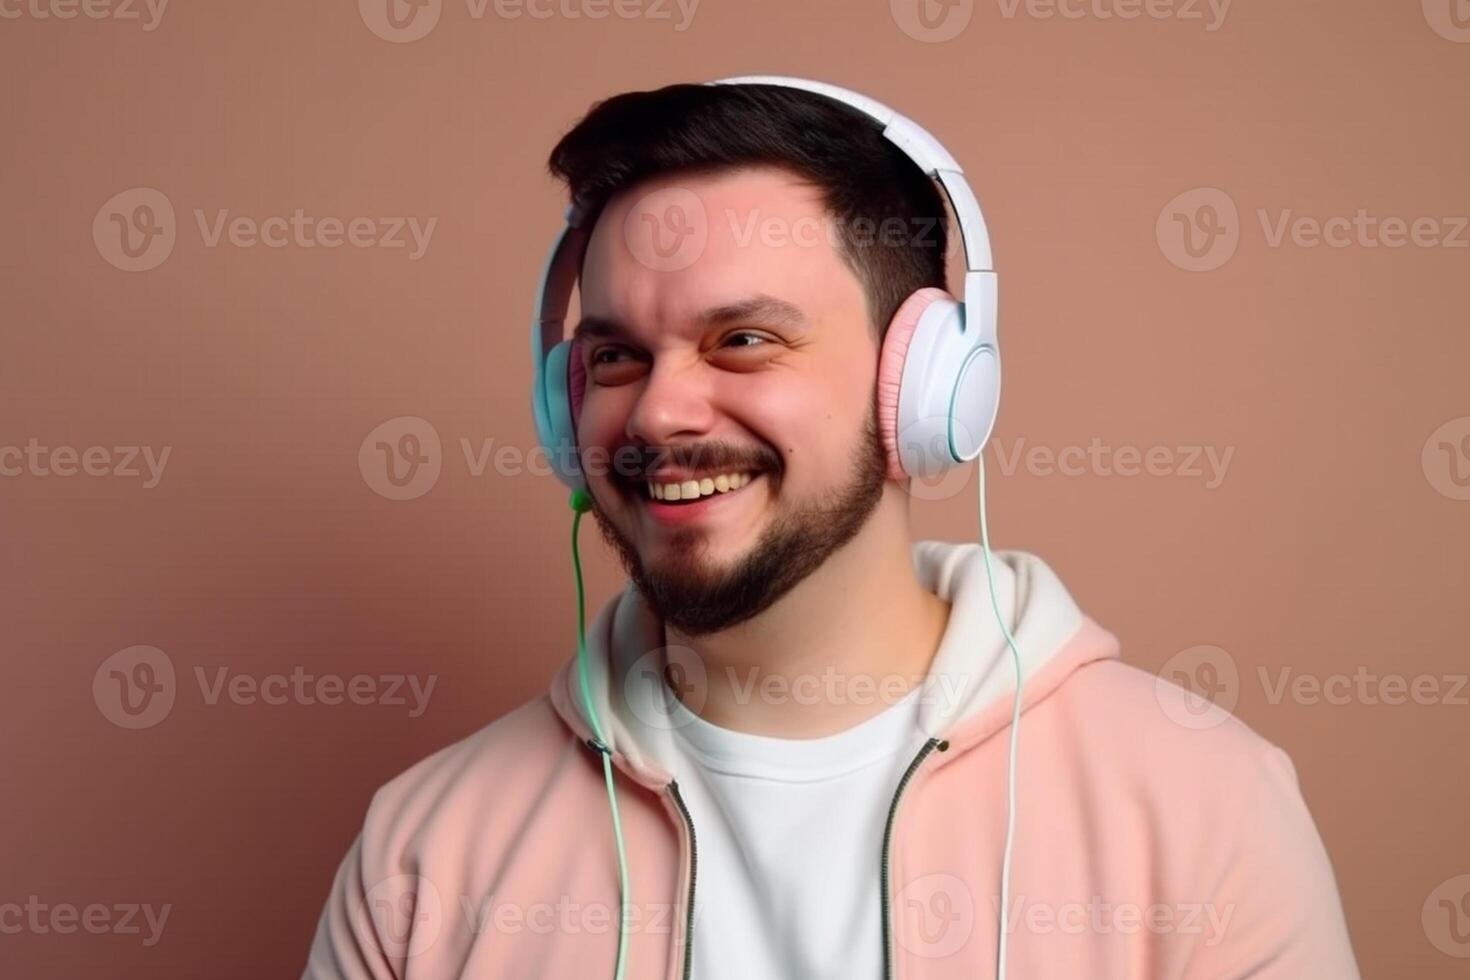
[759,308]
[598,326]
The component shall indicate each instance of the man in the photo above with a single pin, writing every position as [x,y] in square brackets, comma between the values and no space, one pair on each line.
[807,714]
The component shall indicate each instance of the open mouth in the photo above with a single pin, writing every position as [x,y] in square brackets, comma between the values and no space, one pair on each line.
[684,492]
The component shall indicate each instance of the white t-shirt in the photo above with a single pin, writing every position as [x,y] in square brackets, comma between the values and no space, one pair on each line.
[789,834]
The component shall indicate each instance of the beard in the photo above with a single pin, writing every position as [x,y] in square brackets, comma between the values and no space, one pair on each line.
[687,595]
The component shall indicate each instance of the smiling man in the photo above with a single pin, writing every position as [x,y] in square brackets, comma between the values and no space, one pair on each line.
[787,744]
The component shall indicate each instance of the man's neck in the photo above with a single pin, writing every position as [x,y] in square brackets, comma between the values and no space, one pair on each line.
[847,642]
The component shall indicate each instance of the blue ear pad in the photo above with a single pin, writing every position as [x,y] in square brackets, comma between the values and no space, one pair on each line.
[560,438]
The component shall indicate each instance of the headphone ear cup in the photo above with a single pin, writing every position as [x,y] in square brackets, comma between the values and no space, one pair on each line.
[890,368]
[560,437]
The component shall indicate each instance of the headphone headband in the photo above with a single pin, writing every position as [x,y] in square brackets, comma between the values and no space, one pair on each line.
[918,144]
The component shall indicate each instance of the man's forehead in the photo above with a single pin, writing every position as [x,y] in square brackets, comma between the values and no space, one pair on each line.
[683,252]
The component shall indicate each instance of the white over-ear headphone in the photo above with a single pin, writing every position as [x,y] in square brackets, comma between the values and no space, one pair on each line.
[939,372]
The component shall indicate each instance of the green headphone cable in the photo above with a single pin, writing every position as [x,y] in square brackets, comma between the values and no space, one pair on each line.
[580,503]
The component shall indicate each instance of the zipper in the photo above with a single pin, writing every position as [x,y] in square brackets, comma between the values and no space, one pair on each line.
[693,874]
[929,746]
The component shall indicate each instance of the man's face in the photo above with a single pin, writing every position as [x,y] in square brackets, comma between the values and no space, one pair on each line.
[727,342]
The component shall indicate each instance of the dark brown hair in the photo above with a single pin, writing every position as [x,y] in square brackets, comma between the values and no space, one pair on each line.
[892,227]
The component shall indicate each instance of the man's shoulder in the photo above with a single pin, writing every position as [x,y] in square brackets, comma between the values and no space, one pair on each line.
[1153,737]
[466,780]
[1217,808]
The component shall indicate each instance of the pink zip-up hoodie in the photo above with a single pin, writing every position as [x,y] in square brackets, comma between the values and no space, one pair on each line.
[1157,836]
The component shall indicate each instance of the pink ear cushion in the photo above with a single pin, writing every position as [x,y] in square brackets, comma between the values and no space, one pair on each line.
[890,369]
[576,383]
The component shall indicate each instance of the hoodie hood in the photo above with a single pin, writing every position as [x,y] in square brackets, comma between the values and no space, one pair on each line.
[970,678]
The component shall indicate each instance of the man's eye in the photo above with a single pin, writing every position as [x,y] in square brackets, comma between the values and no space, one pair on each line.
[598,355]
[747,334]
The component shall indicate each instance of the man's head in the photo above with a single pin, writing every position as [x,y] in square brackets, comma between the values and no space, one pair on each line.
[750,246]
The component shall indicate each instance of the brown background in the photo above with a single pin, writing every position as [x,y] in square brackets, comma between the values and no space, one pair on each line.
[1328,547]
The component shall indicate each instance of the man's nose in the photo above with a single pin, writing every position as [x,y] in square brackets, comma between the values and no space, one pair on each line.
[675,403]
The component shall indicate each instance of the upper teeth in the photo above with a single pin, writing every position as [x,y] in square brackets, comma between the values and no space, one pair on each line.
[690,489]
